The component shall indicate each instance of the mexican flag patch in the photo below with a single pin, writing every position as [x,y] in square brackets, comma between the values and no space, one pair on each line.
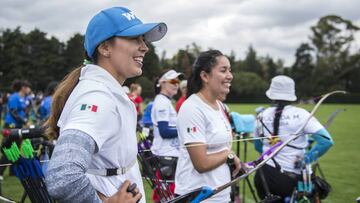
[191,130]
[88,107]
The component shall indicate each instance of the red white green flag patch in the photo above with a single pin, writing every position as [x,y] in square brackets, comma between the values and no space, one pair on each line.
[191,130]
[92,108]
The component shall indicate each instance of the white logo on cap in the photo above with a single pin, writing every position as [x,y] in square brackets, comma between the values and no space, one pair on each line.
[129,16]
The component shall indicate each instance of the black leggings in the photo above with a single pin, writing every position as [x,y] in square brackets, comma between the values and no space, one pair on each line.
[278,183]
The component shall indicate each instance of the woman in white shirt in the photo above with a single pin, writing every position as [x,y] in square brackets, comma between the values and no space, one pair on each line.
[165,144]
[202,122]
[94,120]
[163,115]
[281,174]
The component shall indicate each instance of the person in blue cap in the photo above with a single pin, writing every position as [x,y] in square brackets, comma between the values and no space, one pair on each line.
[94,120]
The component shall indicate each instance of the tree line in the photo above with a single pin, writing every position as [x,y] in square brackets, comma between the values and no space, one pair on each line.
[328,60]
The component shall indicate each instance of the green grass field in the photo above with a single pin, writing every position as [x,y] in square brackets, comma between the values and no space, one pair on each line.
[339,165]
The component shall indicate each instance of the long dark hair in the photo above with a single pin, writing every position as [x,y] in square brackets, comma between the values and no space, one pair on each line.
[280,105]
[205,62]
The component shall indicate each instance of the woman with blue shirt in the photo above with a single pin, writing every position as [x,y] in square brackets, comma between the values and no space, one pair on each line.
[45,106]
[16,108]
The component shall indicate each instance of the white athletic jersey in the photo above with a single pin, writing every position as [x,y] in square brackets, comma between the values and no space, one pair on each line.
[292,118]
[198,122]
[163,110]
[99,107]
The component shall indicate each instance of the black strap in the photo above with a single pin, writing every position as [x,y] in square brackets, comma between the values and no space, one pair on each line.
[266,128]
[111,171]
[277,165]
[165,96]
[295,147]
[288,145]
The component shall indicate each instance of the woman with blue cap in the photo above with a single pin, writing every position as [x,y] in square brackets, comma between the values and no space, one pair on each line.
[94,120]
[281,174]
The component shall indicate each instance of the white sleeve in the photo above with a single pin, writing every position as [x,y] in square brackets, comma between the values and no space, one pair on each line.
[313,125]
[161,111]
[191,125]
[94,113]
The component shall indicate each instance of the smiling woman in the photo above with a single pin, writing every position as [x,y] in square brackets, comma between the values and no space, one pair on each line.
[123,57]
[202,121]
[94,159]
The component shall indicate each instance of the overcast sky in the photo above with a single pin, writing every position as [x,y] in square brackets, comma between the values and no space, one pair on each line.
[273,27]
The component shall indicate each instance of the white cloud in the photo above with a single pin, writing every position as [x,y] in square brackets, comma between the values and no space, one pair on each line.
[273,27]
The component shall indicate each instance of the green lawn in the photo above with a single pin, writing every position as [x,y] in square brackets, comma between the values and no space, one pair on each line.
[340,164]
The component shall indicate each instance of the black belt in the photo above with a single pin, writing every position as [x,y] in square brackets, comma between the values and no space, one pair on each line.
[288,173]
[291,174]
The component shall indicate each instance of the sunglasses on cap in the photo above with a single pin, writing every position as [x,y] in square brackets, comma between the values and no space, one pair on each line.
[174,81]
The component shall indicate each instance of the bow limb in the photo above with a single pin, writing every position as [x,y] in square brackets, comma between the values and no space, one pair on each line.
[202,195]
[296,135]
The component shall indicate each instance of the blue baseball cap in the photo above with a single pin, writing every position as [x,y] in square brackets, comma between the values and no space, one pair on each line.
[121,22]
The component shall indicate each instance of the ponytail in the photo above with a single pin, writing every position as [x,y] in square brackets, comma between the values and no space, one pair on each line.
[280,105]
[61,95]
